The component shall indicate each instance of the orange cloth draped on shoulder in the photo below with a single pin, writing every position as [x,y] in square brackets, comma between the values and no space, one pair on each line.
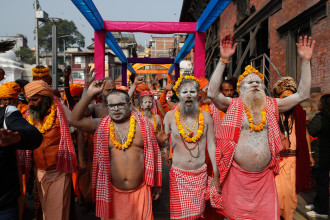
[137,203]
[9,90]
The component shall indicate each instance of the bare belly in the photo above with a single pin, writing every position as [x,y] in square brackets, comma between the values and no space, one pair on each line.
[252,151]
[188,159]
[127,167]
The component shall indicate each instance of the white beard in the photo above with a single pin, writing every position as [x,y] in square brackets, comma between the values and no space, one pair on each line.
[255,101]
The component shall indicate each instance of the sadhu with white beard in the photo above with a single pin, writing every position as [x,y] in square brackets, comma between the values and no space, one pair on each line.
[247,156]
[190,129]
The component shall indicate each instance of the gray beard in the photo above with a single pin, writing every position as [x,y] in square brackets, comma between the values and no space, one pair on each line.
[147,112]
[37,113]
[193,110]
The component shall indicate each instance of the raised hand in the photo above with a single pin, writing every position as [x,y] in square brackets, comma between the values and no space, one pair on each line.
[139,79]
[8,138]
[95,87]
[67,71]
[227,48]
[169,87]
[89,75]
[305,47]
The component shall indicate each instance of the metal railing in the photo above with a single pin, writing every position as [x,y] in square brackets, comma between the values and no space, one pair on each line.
[263,68]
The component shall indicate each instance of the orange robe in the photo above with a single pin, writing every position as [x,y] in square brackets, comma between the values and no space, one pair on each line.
[286,180]
[54,187]
[137,203]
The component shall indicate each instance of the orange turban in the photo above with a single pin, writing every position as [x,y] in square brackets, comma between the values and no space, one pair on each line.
[39,87]
[123,88]
[76,89]
[203,82]
[142,87]
[9,90]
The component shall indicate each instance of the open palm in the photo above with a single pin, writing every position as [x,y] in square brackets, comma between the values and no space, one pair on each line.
[305,47]
[227,48]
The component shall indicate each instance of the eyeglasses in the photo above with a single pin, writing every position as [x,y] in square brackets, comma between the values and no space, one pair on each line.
[119,105]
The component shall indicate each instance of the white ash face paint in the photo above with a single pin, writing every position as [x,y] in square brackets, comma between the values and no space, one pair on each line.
[251,82]
[188,91]
[146,102]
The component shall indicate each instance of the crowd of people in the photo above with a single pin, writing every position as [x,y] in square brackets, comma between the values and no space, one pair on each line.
[233,152]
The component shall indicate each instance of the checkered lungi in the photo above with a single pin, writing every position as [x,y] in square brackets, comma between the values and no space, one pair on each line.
[187,192]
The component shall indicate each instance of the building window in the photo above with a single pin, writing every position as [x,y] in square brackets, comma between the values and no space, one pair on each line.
[299,26]
[77,75]
[81,61]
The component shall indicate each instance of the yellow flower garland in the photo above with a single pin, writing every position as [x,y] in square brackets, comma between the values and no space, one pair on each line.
[130,135]
[262,123]
[183,132]
[48,124]
[40,72]
[153,118]
[178,83]
[248,70]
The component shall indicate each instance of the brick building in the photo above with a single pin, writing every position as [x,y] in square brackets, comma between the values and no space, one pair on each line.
[269,29]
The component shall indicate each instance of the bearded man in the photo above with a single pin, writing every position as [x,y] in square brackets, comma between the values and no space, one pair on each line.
[247,155]
[127,160]
[147,102]
[294,173]
[55,159]
[190,128]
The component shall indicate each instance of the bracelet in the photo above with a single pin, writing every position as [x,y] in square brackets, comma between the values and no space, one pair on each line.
[311,152]
[86,85]
[225,62]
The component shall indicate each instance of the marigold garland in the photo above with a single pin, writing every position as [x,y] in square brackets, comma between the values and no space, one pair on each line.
[179,81]
[248,70]
[183,132]
[153,118]
[250,119]
[40,71]
[130,136]
[48,124]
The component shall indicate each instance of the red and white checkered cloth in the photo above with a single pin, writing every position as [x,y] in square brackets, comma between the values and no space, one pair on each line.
[216,120]
[230,129]
[212,194]
[187,192]
[101,181]
[66,157]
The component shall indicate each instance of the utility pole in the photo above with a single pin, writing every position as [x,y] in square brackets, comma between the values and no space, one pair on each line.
[54,53]
[36,7]
[40,15]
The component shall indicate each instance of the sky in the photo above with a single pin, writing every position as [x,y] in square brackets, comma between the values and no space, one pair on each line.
[17,16]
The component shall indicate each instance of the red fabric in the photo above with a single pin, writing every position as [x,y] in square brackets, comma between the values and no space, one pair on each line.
[212,194]
[229,133]
[303,173]
[250,195]
[66,157]
[102,187]
[187,192]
